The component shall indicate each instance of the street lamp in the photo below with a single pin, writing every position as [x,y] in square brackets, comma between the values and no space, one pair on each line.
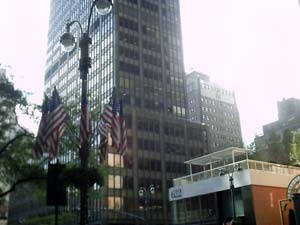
[67,41]
[222,172]
[146,194]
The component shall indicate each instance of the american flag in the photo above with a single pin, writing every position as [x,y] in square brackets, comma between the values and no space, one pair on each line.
[105,125]
[123,134]
[118,129]
[85,122]
[41,144]
[56,124]
[115,126]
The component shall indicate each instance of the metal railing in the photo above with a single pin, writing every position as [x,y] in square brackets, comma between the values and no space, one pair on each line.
[244,164]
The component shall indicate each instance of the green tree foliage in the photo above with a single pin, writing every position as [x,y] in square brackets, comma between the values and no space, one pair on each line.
[276,150]
[15,142]
[9,99]
[284,149]
[266,151]
[293,146]
[17,168]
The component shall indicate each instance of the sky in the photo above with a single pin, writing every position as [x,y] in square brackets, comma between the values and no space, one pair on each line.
[249,46]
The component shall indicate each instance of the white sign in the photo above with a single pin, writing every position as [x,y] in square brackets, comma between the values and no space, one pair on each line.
[175,193]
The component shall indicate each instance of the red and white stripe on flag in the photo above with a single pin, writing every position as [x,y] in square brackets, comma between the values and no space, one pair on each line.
[123,133]
[105,125]
[41,143]
[119,136]
[85,124]
[107,115]
[56,124]
[103,141]
[116,131]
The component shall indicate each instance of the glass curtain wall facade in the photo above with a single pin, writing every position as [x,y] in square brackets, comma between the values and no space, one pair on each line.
[137,48]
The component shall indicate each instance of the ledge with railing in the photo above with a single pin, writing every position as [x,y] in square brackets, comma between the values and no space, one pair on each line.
[246,164]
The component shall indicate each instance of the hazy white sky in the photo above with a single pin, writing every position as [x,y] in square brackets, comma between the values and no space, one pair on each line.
[23,41]
[249,46]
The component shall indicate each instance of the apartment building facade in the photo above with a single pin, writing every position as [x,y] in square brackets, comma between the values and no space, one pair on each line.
[216,107]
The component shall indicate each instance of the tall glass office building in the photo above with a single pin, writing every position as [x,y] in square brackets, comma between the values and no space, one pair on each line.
[137,48]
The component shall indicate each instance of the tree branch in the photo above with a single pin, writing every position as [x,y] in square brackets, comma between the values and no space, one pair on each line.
[21,181]
[5,147]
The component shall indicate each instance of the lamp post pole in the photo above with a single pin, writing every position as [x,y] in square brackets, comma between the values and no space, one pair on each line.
[236,167]
[68,42]
[232,194]
[84,65]
[146,195]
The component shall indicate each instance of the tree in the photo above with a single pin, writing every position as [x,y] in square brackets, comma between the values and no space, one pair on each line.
[277,148]
[292,145]
[16,166]
[258,149]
